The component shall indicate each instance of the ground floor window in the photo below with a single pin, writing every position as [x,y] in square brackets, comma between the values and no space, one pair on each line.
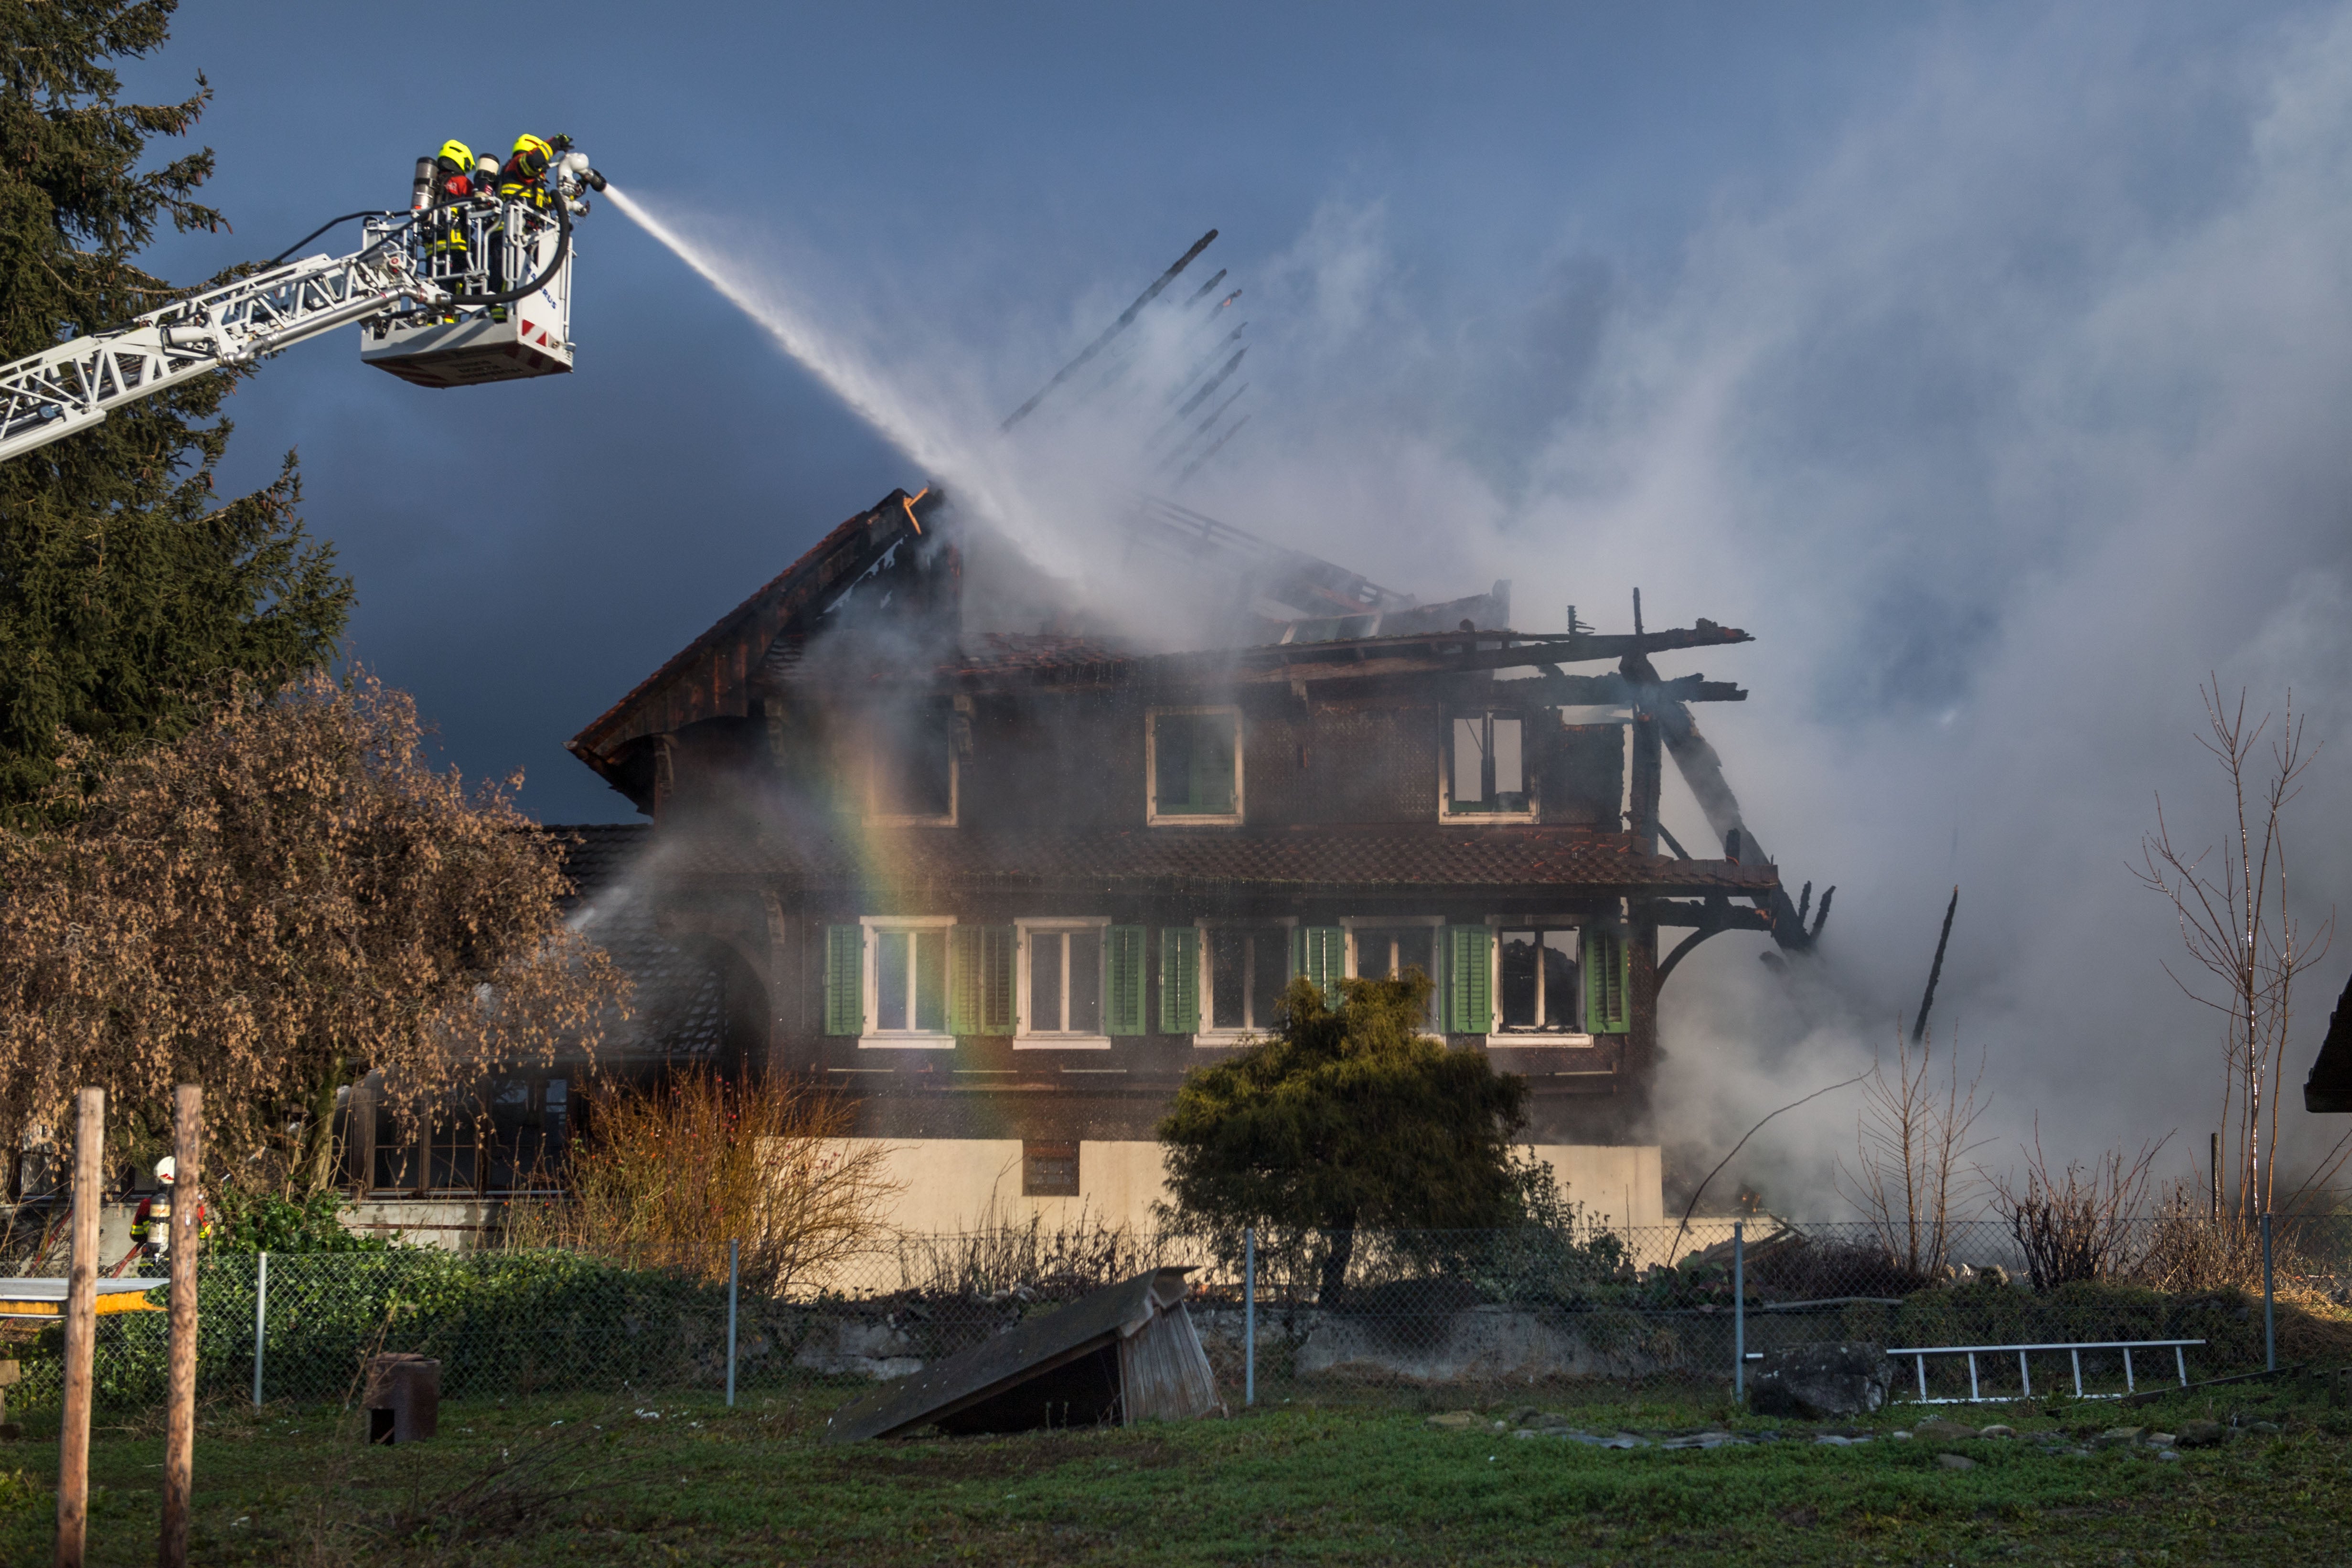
[1063,990]
[907,980]
[922,981]
[1249,966]
[1539,974]
[1387,952]
[510,1137]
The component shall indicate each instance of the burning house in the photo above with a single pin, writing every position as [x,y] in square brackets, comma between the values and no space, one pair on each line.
[1005,888]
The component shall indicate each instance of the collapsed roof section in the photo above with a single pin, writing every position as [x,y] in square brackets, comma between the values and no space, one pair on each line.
[898,560]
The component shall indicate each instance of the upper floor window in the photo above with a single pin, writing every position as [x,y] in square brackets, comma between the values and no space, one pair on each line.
[911,768]
[1486,767]
[1194,764]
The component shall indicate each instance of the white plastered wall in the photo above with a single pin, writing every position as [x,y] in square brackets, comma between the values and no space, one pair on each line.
[1619,1185]
[952,1184]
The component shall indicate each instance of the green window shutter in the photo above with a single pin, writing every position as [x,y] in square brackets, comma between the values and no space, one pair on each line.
[1125,955]
[1179,979]
[996,993]
[964,979]
[845,979]
[1469,979]
[1606,980]
[1320,953]
[981,980]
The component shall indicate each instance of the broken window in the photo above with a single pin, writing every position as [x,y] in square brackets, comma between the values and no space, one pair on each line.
[1486,765]
[1249,966]
[1195,764]
[912,767]
[1049,1169]
[1540,972]
[908,966]
[1062,991]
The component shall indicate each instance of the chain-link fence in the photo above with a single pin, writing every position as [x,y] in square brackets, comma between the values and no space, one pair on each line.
[1367,1313]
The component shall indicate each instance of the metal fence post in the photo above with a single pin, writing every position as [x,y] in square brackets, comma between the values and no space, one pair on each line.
[734,1269]
[1739,1310]
[1249,1316]
[260,1323]
[2270,1320]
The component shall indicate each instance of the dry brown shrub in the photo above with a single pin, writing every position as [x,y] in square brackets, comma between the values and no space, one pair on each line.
[669,1173]
[284,899]
[2077,1223]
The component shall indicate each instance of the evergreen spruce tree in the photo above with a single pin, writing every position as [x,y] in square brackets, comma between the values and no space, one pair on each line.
[130,592]
[1348,1116]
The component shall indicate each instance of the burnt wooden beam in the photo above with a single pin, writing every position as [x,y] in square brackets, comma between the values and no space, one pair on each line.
[1702,768]
[1616,691]
[1704,914]
[1709,918]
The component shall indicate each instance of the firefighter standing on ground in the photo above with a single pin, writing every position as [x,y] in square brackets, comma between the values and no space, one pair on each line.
[150,1228]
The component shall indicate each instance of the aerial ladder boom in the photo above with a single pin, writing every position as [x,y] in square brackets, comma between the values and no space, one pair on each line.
[48,396]
[430,284]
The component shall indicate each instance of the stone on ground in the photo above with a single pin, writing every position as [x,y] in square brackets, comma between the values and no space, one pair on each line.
[2201,1435]
[1845,1377]
[1956,1461]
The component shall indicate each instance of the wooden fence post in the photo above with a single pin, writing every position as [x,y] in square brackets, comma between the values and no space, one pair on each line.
[81,1323]
[180,1418]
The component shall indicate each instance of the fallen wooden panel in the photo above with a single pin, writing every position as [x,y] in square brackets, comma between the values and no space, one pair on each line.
[1126,1354]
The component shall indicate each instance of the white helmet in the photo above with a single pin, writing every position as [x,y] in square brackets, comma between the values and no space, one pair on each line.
[166,1169]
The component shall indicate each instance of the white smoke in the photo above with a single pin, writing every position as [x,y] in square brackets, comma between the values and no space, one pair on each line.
[2021,414]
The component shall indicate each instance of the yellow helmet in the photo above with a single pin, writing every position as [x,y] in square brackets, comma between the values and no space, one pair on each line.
[456,154]
[534,144]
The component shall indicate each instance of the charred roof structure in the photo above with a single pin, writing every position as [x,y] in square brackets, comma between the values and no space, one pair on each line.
[1007,885]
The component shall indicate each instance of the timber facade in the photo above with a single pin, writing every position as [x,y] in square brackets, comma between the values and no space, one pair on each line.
[1005,887]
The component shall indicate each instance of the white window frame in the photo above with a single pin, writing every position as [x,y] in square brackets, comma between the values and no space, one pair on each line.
[1528,1038]
[1208,1035]
[1153,815]
[876,1038]
[1437,956]
[1025,1038]
[1445,811]
[874,812]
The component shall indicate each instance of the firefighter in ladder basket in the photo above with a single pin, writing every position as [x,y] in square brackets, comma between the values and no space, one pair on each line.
[523,180]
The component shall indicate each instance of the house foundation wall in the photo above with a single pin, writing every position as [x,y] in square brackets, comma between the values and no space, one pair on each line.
[947,1185]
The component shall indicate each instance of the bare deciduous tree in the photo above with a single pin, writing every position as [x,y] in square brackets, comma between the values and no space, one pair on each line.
[1911,1180]
[284,899]
[2236,925]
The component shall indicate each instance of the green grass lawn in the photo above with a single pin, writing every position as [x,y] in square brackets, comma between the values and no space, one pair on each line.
[581,1482]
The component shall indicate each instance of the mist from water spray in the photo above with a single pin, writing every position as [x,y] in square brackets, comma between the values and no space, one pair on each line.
[1047,490]
[923,436]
